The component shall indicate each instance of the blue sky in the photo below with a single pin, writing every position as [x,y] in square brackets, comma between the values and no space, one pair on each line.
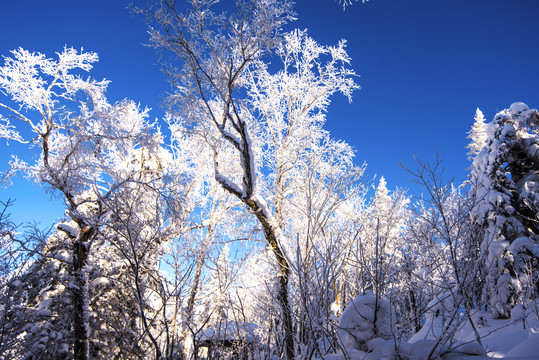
[424,66]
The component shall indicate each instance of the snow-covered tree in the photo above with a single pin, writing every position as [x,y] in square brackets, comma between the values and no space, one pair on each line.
[442,258]
[138,230]
[256,280]
[380,239]
[504,182]
[34,307]
[254,119]
[375,247]
[82,142]
[309,174]
[216,292]
[216,51]
[39,304]
[477,135]
[210,216]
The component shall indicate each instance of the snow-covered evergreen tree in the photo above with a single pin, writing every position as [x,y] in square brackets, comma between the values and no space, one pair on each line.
[388,214]
[505,191]
[477,135]
[40,305]
[34,308]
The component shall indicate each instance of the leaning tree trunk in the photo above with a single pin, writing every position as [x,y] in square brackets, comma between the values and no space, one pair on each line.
[272,230]
[282,296]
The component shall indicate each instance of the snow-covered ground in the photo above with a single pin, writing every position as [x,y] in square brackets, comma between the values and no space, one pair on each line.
[366,336]
[517,338]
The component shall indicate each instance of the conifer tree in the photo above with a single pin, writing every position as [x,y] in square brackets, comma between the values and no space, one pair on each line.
[505,191]
[477,135]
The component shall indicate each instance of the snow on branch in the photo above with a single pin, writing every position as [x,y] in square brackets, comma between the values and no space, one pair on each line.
[229,185]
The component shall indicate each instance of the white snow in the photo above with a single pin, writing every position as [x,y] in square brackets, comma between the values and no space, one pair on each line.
[44,312]
[516,338]
[98,282]
[528,347]
[69,228]
[231,330]
[518,313]
[440,311]
[227,182]
[518,107]
[365,318]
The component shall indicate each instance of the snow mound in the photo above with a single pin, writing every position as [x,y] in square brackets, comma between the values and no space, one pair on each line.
[365,318]
[439,313]
[516,338]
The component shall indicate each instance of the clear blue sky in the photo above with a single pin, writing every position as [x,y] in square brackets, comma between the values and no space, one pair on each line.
[424,66]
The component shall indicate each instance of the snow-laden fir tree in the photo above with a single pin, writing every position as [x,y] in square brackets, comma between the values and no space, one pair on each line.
[39,306]
[124,297]
[385,225]
[35,303]
[477,135]
[505,193]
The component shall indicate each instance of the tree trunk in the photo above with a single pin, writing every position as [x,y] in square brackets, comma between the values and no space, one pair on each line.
[282,295]
[194,290]
[80,295]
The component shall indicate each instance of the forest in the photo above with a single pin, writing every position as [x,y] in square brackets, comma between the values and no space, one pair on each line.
[238,227]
